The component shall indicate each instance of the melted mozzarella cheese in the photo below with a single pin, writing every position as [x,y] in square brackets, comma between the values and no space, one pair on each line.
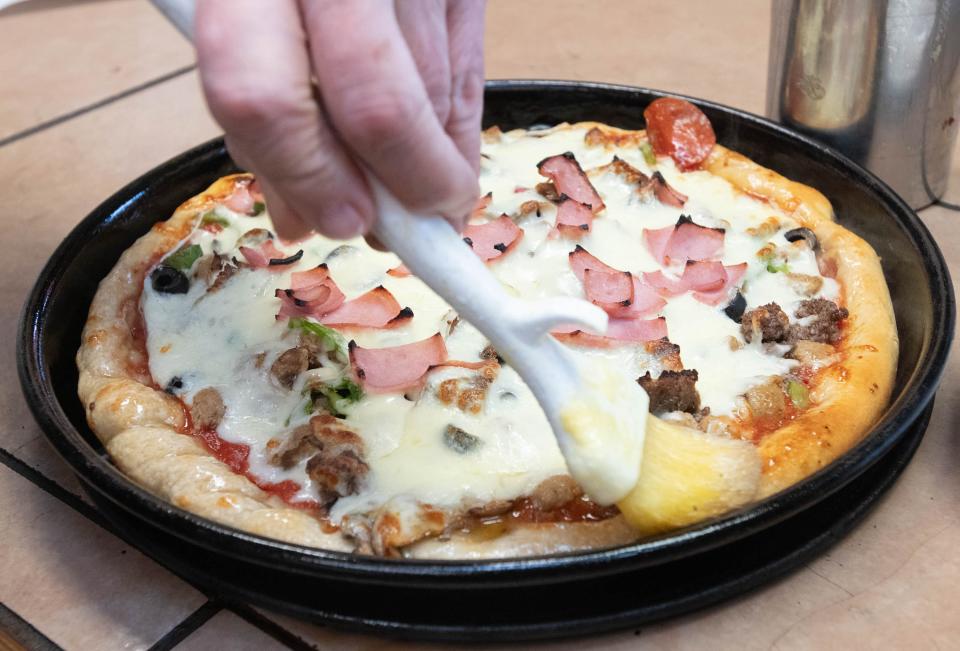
[228,339]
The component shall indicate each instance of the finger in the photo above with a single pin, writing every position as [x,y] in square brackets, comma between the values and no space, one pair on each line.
[378,104]
[375,243]
[424,27]
[288,224]
[465,35]
[255,72]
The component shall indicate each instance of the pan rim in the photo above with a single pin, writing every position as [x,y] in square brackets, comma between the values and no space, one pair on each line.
[97,472]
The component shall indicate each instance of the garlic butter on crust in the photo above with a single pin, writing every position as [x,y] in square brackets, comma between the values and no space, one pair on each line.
[316,393]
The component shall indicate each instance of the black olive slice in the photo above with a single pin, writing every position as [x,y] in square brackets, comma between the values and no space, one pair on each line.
[736,308]
[796,234]
[276,262]
[175,383]
[168,280]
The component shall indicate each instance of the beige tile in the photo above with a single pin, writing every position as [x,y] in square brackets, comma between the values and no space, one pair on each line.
[38,454]
[228,631]
[914,608]
[714,50]
[78,584]
[57,56]
[57,176]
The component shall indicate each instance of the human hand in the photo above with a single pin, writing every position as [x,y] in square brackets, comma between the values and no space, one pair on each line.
[309,91]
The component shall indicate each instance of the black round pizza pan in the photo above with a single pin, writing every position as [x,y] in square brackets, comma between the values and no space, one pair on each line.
[605,603]
[916,273]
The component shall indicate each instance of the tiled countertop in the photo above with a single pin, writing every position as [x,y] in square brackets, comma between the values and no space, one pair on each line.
[96,93]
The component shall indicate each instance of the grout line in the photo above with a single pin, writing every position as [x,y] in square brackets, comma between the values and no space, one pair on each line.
[271,628]
[54,489]
[194,620]
[95,105]
[24,632]
[191,623]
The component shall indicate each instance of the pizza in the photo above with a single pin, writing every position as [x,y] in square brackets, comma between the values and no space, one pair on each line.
[317,392]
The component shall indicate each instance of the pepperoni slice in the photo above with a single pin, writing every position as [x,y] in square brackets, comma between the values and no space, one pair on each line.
[375,309]
[493,239]
[397,368]
[678,129]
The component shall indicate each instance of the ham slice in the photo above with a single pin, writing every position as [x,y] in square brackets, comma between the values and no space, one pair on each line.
[637,329]
[240,200]
[612,291]
[375,309]
[704,276]
[665,285]
[574,219]
[570,179]
[400,271]
[481,205]
[620,332]
[621,294]
[312,293]
[492,239]
[646,300]
[304,279]
[665,194]
[684,241]
[581,260]
[398,368]
[657,241]
[723,295]
[267,255]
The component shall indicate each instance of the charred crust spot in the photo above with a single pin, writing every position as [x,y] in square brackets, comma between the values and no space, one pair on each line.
[500,246]
[405,313]
[468,241]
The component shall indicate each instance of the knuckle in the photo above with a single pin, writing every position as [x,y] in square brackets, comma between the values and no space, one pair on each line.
[379,118]
[241,106]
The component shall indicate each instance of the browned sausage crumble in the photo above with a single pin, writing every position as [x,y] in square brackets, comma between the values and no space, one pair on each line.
[672,391]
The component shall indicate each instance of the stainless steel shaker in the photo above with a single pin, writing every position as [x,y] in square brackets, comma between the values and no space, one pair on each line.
[877,79]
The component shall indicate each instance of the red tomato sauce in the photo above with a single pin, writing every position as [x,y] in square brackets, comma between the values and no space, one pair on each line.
[236,455]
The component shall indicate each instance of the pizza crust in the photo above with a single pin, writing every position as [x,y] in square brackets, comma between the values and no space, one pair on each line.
[852,394]
[148,433]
